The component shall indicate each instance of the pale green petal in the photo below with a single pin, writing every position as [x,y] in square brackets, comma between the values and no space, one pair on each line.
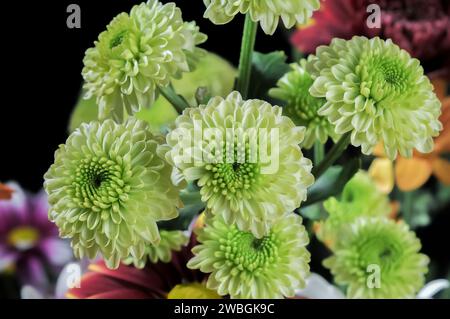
[376,91]
[379,258]
[138,53]
[244,266]
[108,187]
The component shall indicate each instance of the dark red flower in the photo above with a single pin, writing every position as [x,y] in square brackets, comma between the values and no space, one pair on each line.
[422,27]
[5,192]
[155,281]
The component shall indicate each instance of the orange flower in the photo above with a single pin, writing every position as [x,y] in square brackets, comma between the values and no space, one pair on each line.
[412,173]
[5,192]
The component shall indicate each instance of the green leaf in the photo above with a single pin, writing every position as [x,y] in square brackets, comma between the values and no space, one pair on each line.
[314,212]
[267,69]
[332,182]
[193,205]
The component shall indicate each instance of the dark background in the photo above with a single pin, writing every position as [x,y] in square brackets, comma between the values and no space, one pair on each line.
[41,79]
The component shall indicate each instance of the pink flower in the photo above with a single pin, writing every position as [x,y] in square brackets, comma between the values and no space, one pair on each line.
[29,243]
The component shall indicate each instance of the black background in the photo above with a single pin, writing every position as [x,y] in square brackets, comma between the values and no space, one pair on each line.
[41,78]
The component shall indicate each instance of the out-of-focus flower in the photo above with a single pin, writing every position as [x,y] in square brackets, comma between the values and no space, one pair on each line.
[376,92]
[267,12]
[246,177]
[171,240]
[108,187]
[421,27]
[360,197]
[301,106]
[379,258]
[29,243]
[6,192]
[412,173]
[155,281]
[138,53]
[69,277]
[244,266]
[318,287]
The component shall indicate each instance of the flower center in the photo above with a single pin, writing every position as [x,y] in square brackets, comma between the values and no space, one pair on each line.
[244,250]
[194,290]
[98,183]
[386,77]
[117,39]
[232,178]
[23,237]
[381,251]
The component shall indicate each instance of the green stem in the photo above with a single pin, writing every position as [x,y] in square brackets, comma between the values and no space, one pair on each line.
[407,206]
[332,156]
[319,152]
[245,61]
[178,102]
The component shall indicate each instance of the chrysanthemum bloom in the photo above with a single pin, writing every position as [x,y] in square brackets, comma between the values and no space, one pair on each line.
[421,27]
[244,266]
[160,280]
[29,243]
[108,187]
[301,106]
[379,258]
[360,197]
[247,160]
[376,92]
[138,53]
[267,13]
[171,240]
[412,173]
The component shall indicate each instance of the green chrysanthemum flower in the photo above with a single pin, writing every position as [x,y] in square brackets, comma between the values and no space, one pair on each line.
[376,91]
[108,187]
[251,170]
[244,266]
[379,258]
[171,240]
[301,106]
[267,12]
[360,197]
[138,53]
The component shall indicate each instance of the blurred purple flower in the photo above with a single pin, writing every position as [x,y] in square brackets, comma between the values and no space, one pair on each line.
[421,27]
[29,243]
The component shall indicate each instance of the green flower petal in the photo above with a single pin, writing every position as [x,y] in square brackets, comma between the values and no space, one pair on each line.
[301,106]
[267,12]
[376,91]
[390,246]
[360,197]
[251,192]
[170,241]
[138,53]
[108,187]
[244,266]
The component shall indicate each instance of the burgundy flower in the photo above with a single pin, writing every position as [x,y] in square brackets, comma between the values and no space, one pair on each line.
[29,243]
[422,27]
[155,281]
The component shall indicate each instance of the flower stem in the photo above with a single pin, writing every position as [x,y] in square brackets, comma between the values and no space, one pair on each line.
[245,61]
[319,152]
[178,102]
[332,156]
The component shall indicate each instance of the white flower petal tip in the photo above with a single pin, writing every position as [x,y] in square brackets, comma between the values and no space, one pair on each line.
[318,287]
[432,288]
